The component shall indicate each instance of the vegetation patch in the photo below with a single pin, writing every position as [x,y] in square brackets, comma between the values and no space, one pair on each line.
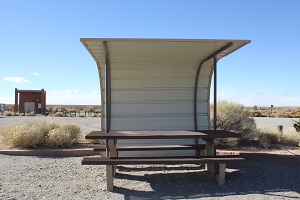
[39,134]
[235,117]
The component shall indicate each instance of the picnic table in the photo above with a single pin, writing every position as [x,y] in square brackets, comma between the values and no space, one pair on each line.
[215,164]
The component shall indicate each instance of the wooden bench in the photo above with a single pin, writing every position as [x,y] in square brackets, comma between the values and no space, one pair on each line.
[198,148]
[214,164]
[110,162]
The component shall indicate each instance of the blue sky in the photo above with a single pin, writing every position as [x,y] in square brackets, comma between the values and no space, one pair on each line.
[40,45]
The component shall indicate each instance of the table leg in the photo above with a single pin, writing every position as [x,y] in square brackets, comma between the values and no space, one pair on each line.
[220,173]
[210,151]
[109,178]
[112,153]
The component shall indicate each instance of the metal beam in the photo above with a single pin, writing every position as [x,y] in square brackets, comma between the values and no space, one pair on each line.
[197,79]
[107,89]
[215,93]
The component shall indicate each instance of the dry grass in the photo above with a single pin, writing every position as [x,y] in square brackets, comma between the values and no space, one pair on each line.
[39,133]
[234,117]
[59,138]
[8,113]
[73,129]
[22,135]
[266,137]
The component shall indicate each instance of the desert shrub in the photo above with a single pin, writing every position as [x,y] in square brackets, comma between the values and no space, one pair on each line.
[22,135]
[282,114]
[58,114]
[264,140]
[73,130]
[59,138]
[89,109]
[8,114]
[49,109]
[72,110]
[267,137]
[297,126]
[295,113]
[29,114]
[38,133]
[98,110]
[255,113]
[94,141]
[45,127]
[233,116]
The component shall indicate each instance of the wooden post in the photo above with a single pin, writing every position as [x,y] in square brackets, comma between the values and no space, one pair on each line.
[112,148]
[280,129]
[220,174]
[109,178]
[112,153]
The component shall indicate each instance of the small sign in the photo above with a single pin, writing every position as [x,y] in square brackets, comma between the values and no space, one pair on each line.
[2,107]
[39,105]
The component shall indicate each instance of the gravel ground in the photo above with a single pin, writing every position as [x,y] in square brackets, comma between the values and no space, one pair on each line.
[29,177]
[65,178]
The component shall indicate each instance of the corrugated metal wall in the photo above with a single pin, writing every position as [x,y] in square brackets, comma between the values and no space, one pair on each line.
[158,96]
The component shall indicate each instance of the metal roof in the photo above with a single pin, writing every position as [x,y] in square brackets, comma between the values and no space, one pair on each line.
[125,50]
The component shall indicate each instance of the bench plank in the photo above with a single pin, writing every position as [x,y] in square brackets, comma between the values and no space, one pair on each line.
[154,148]
[205,134]
[161,160]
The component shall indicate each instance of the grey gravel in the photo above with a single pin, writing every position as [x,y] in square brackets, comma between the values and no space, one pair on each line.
[29,177]
[65,178]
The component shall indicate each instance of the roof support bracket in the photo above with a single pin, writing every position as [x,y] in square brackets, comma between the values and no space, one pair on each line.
[214,56]
[107,89]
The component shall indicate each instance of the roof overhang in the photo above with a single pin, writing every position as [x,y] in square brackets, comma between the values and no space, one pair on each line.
[126,50]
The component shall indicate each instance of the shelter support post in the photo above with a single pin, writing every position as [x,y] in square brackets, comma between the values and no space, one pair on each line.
[107,89]
[214,56]
[215,93]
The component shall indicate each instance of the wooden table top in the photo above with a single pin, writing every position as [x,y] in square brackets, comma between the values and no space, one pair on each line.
[204,134]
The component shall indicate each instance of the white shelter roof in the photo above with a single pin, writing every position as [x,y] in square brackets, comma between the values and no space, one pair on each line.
[158,50]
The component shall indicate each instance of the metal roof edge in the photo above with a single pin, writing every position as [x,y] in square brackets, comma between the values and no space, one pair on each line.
[89,50]
[162,39]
